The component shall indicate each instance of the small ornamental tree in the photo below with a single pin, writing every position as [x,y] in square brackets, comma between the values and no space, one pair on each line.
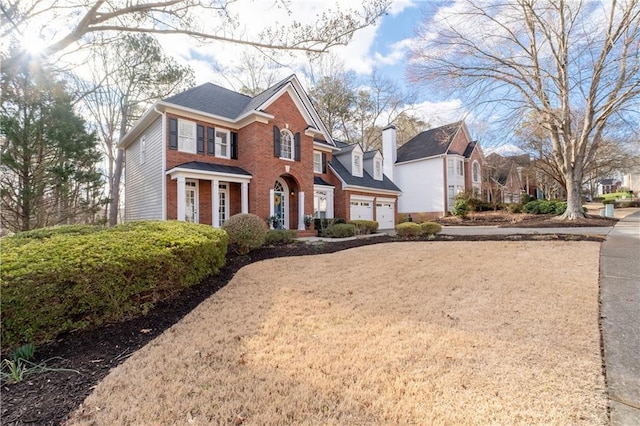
[246,232]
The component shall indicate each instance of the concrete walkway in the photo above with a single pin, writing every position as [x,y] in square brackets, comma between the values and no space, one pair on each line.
[620,313]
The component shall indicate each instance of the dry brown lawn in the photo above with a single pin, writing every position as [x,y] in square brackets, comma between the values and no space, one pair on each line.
[455,333]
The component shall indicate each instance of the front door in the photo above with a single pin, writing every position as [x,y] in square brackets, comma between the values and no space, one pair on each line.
[280,202]
[191,211]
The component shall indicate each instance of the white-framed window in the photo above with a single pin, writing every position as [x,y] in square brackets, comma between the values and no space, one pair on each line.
[143,149]
[450,166]
[317,162]
[377,169]
[223,204]
[186,136]
[320,204]
[222,143]
[459,168]
[286,144]
[357,164]
[476,172]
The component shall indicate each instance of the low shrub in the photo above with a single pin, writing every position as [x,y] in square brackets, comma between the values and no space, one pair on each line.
[555,207]
[65,282]
[514,208]
[364,227]
[408,229]
[277,237]
[430,228]
[460,208]
[246,232]
[339,230]
[41,233]
[608,201]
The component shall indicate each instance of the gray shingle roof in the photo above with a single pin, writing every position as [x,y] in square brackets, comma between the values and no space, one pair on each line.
[215,168]
[217,100]
[429,143]
[212,99]
[317,180]
[365,181]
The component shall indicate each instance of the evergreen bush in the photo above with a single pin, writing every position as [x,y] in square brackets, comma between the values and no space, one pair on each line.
[408,229]
[67,281]
[276,237]
[364,227]
[430,228]
[339,230]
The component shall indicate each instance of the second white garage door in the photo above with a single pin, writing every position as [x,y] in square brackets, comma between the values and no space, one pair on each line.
[361,209]
[385,215]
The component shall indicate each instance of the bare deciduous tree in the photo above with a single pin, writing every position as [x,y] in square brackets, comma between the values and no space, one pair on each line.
[552,58]
[87,18]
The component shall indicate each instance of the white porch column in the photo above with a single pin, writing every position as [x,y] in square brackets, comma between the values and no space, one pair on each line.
[182,198]
[330,204]
[271,209]
[244,197]
[215,203]
[300,211]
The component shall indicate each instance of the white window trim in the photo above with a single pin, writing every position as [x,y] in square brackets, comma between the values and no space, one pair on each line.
[217,146]
[476,177]
[460,168]
[377,169]
[317,167]
[293,145]
[329,190]
[180,137]
[356,169]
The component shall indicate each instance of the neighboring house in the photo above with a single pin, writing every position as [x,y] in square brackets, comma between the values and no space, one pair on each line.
[509,177]
[364,191]
[433,167]
[208,153]
[608,186]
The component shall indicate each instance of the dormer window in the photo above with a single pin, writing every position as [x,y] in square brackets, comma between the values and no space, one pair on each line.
[356,164]
[377,169]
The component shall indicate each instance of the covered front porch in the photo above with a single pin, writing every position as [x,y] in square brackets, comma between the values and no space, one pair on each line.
[207,193]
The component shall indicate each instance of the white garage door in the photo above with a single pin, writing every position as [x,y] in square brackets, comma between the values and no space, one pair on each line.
[385,215]
[361,209]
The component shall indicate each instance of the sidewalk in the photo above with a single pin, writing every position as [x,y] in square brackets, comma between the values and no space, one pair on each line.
[620,316]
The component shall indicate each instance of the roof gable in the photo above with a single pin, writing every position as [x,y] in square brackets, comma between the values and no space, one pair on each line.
[212,99]
[430,143]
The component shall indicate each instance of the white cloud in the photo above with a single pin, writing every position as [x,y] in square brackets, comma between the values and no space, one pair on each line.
[441,113]
[398,6]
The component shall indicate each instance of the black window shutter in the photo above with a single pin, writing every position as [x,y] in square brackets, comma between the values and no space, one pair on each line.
[200,139]
[324,163]
[276,141]
[173,133]
[234,145]
[296,148]
[211,145]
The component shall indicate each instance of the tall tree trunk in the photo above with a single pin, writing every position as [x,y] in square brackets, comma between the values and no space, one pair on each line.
[115,189]
[574,197]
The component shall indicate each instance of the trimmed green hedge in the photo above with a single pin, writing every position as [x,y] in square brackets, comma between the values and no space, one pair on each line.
[408,229]
[246,232]
[364,227]
[430,228]
[57,280]
[545,207]
[339,230]
[280,236]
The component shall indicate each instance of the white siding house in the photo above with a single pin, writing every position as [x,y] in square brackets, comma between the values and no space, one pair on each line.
[143,170]
[420,195]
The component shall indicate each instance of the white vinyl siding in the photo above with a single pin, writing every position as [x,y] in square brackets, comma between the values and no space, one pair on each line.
[422,184]
[143,182]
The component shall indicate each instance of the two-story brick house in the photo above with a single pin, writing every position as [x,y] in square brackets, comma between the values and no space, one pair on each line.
[208,153]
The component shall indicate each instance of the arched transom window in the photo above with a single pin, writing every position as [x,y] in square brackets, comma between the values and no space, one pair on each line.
[286,144]
[476,171]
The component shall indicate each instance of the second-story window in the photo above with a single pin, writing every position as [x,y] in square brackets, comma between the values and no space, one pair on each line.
[187,136]
[222,143]
[459,168]
[286,144]
[317,162]
[476,171]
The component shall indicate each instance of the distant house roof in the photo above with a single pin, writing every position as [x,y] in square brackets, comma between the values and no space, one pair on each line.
[366,181]
[429,143]
[215,168]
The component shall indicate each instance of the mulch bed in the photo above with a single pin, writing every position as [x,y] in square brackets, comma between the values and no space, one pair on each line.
[523,220]
[47,398]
